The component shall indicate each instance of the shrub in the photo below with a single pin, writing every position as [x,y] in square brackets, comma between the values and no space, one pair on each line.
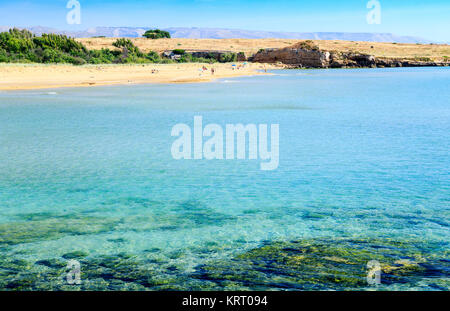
[3,56]
[156,34]
[179,52]
[22,46]
[204,60]
[423,59]
[307,45]
[129,51]
[124,43]
[228,58]
[153,57]
[78,61]
[167,61]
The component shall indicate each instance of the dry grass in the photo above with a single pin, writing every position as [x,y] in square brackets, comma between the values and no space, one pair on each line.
[251,46]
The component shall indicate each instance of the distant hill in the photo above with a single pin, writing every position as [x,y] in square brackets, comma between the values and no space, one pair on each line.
[217,33]
[220,33]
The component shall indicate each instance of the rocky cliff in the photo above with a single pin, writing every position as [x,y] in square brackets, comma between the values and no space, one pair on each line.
[303,54]
[306,55]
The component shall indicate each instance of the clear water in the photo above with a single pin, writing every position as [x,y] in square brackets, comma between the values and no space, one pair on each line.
[363,153]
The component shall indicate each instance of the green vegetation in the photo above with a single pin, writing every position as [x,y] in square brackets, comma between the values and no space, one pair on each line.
[308,45]
[310,264]
[156,34]
[21,46]
[228,58]
[179,52]
[423,59]
[188,58]
[324,264]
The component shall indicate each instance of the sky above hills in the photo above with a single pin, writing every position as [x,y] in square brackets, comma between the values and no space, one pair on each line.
[428,19]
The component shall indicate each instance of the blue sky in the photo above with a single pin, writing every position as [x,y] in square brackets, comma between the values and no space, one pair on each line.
[428,19]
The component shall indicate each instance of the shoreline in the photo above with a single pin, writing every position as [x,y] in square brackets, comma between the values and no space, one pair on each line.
[15,77]
[34,76]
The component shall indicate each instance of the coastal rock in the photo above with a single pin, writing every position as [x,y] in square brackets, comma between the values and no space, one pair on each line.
[296,57]
[363,60]
[307,55]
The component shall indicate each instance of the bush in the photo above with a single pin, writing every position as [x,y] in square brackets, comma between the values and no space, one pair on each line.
[22,46]
[307,45]
[204,60]
[228,58]
[167,61]
[153,57]
[78,61]
[130,52]
[103,56]
[156,34]
[423,59]
[179,52]
[3,56]
[123,43]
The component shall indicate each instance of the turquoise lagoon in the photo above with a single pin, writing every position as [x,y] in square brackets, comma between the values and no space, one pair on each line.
[87,173]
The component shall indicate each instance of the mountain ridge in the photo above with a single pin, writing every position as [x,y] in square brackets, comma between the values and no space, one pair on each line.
[224,33]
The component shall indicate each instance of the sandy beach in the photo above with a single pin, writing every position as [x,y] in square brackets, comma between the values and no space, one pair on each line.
[34,76]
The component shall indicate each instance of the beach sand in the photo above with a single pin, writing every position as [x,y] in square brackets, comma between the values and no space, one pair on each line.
[34,76]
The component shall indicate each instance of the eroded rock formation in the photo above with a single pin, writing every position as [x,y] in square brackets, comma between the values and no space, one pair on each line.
[306,55]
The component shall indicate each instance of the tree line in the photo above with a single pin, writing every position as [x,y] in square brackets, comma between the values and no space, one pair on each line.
[21,46]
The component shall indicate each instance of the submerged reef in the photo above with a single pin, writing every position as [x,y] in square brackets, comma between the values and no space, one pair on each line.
[309,264]
[39,227]
[328,264]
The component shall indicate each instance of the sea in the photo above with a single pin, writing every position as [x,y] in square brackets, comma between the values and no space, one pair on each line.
[87,176]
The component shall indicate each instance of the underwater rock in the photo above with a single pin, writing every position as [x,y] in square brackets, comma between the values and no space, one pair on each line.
[51,263]
[75,255]
[320,264]
[14,233]
[310,264]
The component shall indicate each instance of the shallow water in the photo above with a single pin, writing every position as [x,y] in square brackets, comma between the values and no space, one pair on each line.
[363,154]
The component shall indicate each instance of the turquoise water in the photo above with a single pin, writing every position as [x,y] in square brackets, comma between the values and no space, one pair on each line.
[363,154]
